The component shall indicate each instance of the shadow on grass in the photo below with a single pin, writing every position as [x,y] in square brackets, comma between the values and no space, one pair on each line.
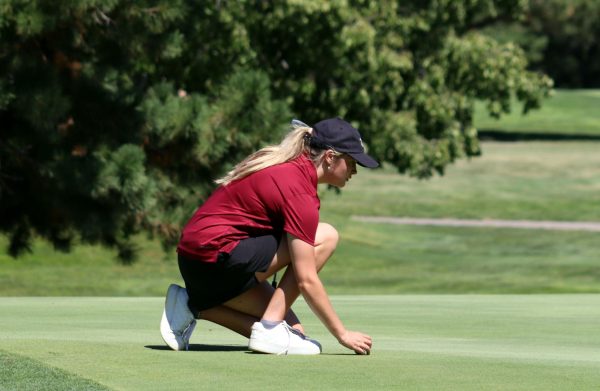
[229,348]
[204,348]
[322,354]
[499,135]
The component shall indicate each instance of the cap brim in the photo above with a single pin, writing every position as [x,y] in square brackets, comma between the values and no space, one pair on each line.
[364,160]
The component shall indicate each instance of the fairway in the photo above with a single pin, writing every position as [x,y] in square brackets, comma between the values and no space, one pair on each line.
[421,342]
[511,181]
[567,112]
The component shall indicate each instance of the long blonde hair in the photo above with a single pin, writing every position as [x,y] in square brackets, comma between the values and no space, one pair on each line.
[293,145]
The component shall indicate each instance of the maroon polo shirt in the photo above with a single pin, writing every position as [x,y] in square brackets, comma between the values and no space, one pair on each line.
[277,199]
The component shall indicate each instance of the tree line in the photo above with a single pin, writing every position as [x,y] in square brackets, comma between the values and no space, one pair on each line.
[561,38]
[116,117]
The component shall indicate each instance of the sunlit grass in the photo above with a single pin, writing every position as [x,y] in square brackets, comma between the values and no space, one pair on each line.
[420,342]
[567,112]
[533,180]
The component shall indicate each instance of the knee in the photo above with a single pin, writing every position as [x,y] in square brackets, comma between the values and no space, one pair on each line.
[327,236]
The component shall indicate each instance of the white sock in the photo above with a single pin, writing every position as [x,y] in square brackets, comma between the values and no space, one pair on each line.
[269,324]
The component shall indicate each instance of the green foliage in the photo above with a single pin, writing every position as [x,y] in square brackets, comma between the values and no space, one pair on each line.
[560,38]
[572,55]
[117,116]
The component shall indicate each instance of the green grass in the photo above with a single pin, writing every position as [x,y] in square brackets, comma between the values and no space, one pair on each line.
[537,181]
[428,342]
[372,258]
[525,180]
[384,258]
[22,373]
[87,270]
[567,112]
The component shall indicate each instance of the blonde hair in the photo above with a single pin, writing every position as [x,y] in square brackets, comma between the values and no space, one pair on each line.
[293,145]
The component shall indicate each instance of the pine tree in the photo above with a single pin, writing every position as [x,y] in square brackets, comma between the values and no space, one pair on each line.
[116,117]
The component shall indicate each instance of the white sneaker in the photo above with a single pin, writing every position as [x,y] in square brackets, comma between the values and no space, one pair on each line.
[281,339]
[177,323]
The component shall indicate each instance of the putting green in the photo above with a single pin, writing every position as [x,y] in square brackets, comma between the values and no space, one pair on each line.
[441,342]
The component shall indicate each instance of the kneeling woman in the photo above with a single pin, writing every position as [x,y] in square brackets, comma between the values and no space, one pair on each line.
[264,217]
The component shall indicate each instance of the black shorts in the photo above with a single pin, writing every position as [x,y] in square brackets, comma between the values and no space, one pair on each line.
[211,284]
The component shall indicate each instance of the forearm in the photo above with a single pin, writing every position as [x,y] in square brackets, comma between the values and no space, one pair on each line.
[305,269]
[316,297]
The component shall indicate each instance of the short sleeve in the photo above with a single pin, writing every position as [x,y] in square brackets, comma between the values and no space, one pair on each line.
[301,216]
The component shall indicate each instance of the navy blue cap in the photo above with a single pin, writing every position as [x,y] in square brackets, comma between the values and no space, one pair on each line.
[342,137]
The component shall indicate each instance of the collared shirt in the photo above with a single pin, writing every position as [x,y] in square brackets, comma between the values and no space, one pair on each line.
[277,199]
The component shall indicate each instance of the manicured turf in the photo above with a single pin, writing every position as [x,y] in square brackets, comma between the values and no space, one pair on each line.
[524,180]
[469,342]
[21,373]
[371,258]
[409,259]
[567,112]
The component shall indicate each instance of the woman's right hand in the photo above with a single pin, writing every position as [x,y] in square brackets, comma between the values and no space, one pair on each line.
[354,340]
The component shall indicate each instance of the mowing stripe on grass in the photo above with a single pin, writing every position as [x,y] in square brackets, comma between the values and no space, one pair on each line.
[568,112]
[421,342]
[521,224]
[21,373]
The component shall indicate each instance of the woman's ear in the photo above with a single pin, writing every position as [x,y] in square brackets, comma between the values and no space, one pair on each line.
[329,157]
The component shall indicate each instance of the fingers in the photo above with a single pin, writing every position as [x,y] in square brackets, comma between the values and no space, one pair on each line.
[358,342]
[364,347]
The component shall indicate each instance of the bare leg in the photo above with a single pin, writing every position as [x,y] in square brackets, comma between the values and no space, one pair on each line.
[287,291]
[238,314]
[234,320]
[262,301]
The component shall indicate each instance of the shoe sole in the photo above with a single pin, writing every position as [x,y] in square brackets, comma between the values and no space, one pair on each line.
[269,348]
[165,328]
[264,347]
